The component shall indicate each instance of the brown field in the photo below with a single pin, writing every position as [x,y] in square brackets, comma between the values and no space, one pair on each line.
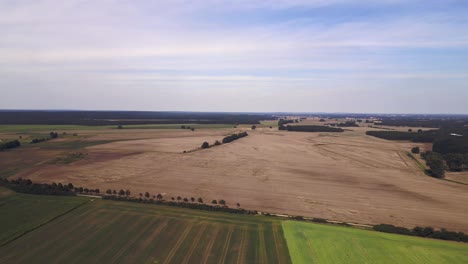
[340,176]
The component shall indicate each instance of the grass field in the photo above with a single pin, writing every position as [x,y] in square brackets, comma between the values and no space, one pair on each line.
[109,232]
[21,213]
[33,128]
[313,243]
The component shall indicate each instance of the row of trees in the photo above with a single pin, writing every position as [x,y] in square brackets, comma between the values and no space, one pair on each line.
[348,124]
[233,137]
[428,232]
[27,186]
[52,135]
[9,144]
[312,128]
[187,127]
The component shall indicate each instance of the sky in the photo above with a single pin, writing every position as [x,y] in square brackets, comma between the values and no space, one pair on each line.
[383,56]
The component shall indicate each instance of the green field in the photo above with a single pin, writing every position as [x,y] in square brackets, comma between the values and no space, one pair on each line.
[34,128]
[21,213]
[314,243]
[108,232]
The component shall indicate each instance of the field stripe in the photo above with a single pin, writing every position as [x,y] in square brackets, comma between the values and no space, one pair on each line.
[226,244]
[261,248]
[276,240]
[194,244]
[130,243]
[177,245]
[89,236]
[206,255]
[242,246]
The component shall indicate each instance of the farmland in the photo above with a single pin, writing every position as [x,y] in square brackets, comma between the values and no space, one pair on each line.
[110,232]
[313,243]
[345,176]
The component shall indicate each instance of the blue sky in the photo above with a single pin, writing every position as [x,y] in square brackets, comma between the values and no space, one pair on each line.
[387,56]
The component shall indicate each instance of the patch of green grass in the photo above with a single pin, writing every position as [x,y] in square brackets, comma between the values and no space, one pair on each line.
[176,126]
[318,243]
[21,213]
[108,232]
[69,158]
[32,128]
[268,123]
[71,144]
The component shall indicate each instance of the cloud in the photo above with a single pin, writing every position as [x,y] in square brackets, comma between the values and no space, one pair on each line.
[202,46]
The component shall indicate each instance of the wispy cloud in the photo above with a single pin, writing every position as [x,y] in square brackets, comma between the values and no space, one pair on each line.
[285,46]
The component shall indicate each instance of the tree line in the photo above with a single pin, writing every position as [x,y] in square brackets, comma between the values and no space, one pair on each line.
[52,135]
[313,128]
[9,144]
[27,186]
[420,136]
[233,137]
[427,232]
[438,163]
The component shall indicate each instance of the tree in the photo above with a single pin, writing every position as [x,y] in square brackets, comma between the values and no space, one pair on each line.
[114,192]
[415,150]
[182,127]
[179,198]
[238,204]
[436,164]
[109,191]
[200,200]
[193,129]
[172,198]
[86,190]
[127,192]
[70,186]
[185,199]
[420,131]
[254,127]
[121,192]
[159,196]
[214,202]
[410,130]
[79,189]
[147,195]
[222,202]
[205,145]
[217,143]
[454,161]
[192,199]
[119,127]
[97,191]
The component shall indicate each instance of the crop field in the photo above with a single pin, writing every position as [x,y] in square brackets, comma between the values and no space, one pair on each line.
[21,213]
[110,232]
[313,243]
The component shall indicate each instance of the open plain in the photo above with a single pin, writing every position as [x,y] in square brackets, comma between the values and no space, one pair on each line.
[345,176]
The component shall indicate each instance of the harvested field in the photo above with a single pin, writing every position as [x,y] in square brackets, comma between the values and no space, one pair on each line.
[313,243]
[110,232]
[347,177]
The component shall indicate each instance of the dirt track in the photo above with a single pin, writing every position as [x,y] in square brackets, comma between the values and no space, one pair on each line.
[346,176]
